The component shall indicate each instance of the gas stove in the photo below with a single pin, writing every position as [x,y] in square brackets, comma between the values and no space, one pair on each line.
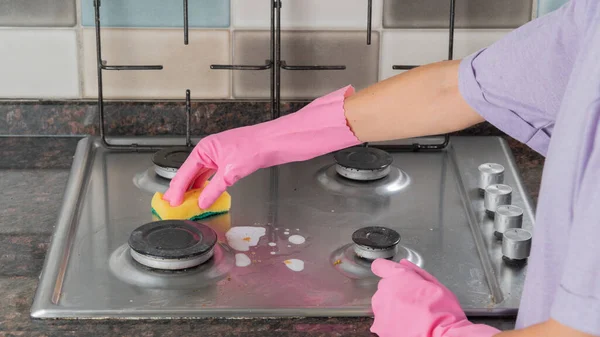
[298,240]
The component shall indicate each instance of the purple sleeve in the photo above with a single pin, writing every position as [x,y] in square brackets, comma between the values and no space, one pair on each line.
[577,302]
[517,84]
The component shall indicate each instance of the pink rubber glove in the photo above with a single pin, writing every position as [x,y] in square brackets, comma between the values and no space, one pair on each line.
[410,302]
[317,129]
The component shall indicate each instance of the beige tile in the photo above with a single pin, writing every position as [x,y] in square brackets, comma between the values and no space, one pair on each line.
[347,48]
[423,46]
[185,67]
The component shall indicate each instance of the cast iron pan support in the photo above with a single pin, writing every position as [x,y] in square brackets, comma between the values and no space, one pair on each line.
[444,144]
[102,65]
[275,54]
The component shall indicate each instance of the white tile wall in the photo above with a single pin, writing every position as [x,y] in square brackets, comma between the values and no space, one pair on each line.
[38,63]
[185,67]
[334,14]
[418,47]
[60,62]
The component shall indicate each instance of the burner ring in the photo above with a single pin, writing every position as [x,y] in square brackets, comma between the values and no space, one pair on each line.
[369,253]
[150,182]
[171,264]
[363,158]
[124,267]
[375,242]
[172,244]
[167,161]
[347,262]
[376,237]
[363,163]
[363,175]
[165,172]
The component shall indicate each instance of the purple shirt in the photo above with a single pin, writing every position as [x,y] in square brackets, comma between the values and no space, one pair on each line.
[541,85]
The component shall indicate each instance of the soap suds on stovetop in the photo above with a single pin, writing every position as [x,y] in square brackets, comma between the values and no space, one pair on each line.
[296,239]
[294,264]
[242,260]
[242,238]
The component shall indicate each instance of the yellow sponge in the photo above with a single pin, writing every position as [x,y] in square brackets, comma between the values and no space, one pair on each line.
[189,209]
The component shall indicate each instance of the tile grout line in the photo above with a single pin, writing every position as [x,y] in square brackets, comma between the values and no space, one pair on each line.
[79,41]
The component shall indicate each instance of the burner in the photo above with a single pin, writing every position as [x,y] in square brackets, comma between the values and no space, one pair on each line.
[206,275]
[363,163]
[150,182]
[354,259]
[172,244]
[168,161]
[395,182]
[375,242]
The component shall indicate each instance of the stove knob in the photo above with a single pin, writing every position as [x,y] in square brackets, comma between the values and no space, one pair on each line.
[496,195]
[516,244]
[490,174]
[507,217]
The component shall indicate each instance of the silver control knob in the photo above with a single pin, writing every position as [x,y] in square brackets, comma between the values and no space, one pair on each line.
[516,244]
[496,195]
[507,217]
[489,174]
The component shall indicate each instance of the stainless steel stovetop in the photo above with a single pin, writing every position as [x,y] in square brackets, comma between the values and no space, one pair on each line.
[285,248]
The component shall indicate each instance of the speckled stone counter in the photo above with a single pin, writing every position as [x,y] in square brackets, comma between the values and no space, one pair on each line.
[33,175]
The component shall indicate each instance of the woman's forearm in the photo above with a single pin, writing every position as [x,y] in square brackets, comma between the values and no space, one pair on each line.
[422,102]
[550,328]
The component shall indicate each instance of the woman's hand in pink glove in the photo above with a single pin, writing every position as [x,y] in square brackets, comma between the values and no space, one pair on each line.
[317,129]
[410,302]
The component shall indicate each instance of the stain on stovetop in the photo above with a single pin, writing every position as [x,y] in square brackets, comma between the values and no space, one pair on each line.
[294,264]
[241,238]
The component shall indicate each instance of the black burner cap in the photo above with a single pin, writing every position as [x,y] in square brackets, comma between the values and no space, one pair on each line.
[376,237]
[172,157]
[363,158]
[173,239]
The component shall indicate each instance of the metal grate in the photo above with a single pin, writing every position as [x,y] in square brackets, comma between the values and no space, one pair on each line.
[275,64]
[444,144]
[275,59]
[102,66]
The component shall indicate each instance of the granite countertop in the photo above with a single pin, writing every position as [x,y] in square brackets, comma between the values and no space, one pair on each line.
[33,175]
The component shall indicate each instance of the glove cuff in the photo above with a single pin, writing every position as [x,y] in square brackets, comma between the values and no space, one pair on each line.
[318,128]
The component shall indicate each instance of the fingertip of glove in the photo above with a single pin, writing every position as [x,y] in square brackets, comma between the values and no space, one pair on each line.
[175,202]
[204,203]
[172,199]
[380,266]
[407,263]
